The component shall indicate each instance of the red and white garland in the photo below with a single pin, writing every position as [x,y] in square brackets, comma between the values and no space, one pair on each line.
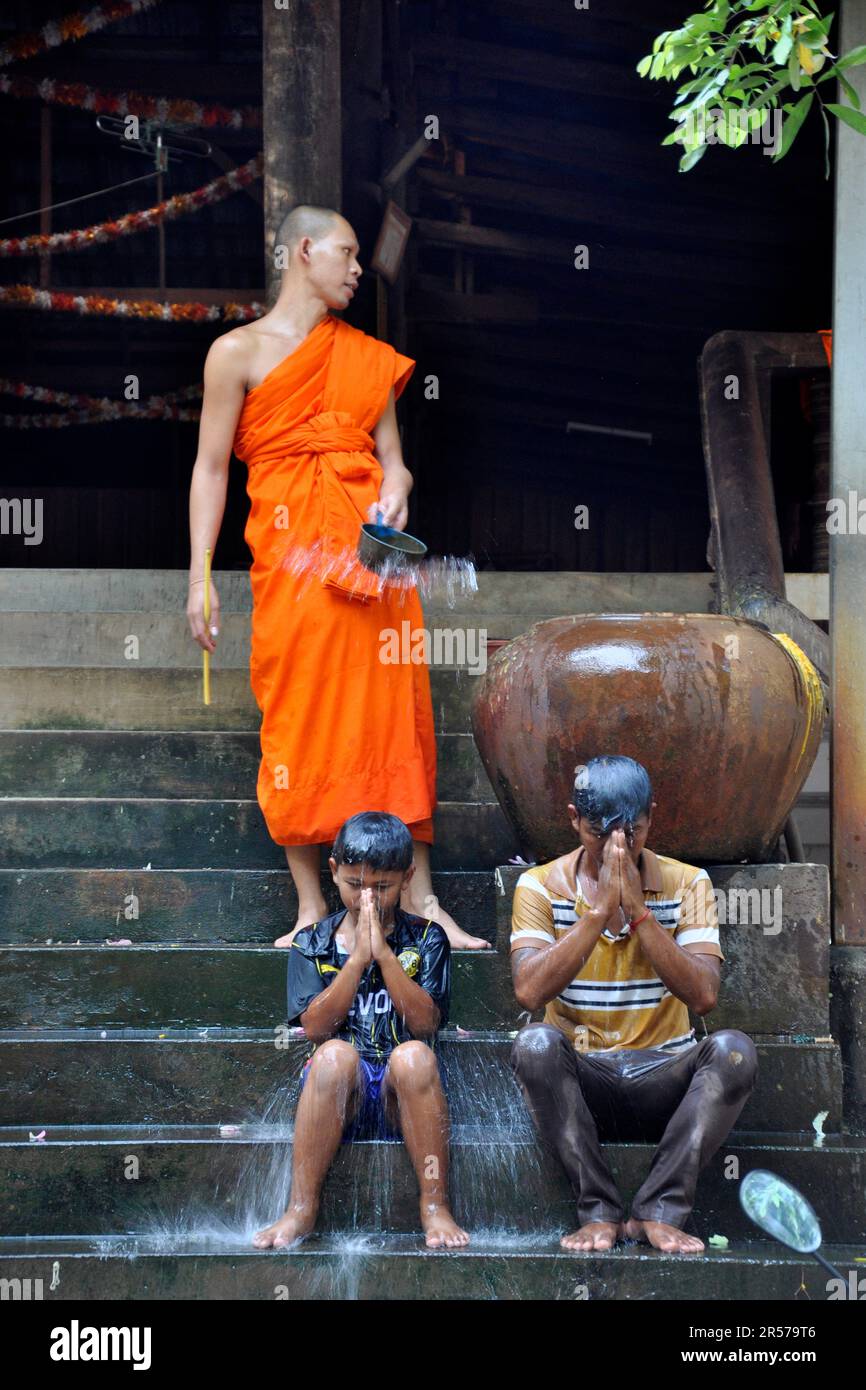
[46,395]
[26,297]
[71,27]
[176,110]
[93,409]
[89,417]
[47,244]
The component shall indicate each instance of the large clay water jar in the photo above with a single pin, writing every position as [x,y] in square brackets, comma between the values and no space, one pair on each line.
[725,717]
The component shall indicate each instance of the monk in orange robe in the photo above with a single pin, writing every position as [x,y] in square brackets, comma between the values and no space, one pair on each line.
[308,403]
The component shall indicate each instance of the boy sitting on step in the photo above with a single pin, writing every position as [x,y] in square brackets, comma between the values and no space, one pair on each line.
[370,986]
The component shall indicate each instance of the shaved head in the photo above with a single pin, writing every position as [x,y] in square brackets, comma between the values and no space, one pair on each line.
[316,252]
[305,220]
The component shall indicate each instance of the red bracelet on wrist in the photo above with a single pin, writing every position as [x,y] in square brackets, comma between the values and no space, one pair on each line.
[632,926]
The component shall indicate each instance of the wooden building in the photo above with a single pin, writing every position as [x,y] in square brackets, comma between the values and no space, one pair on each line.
[558,387]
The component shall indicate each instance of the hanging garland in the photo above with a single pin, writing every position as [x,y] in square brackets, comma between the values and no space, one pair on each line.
[45,244]
[26,297]
[165,109]
[94,410]
[72,27]
[46,395]
[126,411]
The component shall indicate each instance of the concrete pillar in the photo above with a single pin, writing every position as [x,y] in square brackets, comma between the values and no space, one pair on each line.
[848,552]
[302,114]
[847,593]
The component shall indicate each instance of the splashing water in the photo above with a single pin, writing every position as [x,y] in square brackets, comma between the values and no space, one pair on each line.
[371,1189]
[445,577]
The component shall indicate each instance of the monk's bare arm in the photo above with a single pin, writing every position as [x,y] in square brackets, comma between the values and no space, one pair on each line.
[396,480]
[225,375]
[540,973]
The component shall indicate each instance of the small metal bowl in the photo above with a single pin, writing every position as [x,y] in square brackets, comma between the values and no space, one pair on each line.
[380,546]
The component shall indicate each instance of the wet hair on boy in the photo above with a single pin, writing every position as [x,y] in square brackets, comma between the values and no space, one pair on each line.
[374,838]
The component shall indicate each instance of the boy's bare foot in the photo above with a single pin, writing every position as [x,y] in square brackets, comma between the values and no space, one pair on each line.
[306,917]
[594,1235]
[291,1227]
[440,1229]
[663,1237]
[462,941]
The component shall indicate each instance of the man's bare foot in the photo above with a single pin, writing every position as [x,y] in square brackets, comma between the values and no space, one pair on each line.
[462,941]
[440,1229]
[663,1237]
[296,1223]
[306,917]
[594,1235]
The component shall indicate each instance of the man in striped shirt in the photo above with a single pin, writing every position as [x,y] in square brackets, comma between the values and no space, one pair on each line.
[617,944]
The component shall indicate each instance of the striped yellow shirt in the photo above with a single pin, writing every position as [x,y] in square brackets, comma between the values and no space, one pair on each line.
[617,1000]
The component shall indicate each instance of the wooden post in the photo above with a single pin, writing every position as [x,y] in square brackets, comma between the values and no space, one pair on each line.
[45,182]
[302,125]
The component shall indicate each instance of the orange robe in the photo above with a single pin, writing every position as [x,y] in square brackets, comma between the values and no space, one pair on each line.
[341,731]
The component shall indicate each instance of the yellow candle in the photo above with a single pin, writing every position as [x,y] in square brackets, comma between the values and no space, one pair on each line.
[205,654]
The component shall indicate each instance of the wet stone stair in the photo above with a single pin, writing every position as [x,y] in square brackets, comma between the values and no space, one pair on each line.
[127,811]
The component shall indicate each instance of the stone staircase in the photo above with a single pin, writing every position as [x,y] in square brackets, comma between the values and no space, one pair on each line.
[128,811]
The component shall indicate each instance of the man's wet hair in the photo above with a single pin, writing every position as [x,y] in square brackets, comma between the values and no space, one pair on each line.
[612,791]
[304,219]
[375,838]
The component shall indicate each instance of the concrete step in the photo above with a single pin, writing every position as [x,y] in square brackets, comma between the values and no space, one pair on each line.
[75,762]
[165,591]
[238,986]
[218,1075]
[191,905]
[200,987]
[224,763]
[33,697]
[122,832]
[557,592]
[354,1266]
[78,1179]
[162,641]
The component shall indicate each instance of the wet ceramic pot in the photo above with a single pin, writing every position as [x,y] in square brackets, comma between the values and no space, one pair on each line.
[726,718]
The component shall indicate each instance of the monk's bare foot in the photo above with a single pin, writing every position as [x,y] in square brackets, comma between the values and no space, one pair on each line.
[296,1223]
[306,917]
[462,941]
[594,1235]
[658,1234]
[440,1229]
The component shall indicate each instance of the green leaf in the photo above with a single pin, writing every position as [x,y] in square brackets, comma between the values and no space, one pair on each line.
[792,125]
[689,160]
[826,143]
[851,92]
[855,119]
[782,49]
[794,72]
[854,58]
[645,64]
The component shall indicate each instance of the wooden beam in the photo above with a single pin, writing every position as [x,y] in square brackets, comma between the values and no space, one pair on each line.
[531,67]
[436,305]
[614,261]
[600,211]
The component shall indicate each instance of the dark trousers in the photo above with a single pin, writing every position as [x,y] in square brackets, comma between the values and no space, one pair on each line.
[688,1103]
